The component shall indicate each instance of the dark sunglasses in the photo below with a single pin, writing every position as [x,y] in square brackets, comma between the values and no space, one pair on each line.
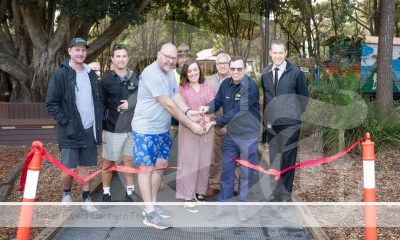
[239,69]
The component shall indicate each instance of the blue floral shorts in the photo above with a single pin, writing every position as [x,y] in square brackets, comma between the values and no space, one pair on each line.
[148,147]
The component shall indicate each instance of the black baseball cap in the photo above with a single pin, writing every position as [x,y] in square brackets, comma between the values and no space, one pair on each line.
[78,41]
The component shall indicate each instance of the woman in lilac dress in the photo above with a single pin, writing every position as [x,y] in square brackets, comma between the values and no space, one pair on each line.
[194,151]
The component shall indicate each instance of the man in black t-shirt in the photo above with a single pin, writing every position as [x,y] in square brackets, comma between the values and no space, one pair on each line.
[119,88]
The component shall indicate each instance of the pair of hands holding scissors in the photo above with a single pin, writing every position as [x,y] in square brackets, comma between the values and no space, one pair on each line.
[202,118]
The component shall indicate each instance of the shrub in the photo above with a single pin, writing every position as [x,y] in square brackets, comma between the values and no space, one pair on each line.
[336,107]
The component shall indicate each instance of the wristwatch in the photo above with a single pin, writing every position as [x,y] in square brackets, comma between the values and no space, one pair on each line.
[186,112]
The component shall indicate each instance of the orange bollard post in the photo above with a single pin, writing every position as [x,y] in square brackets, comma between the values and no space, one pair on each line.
[25,218]
[368,157]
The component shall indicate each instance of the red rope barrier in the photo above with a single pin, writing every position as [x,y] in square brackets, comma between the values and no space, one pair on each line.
[120,169]
[310,163]
[258,168]
[46,156]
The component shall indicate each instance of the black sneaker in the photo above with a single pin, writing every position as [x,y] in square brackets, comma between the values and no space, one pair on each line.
[132,197]
[200,198]
[107,197]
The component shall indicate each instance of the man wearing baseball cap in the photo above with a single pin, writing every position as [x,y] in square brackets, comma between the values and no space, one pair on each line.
[78,41]
[74,100]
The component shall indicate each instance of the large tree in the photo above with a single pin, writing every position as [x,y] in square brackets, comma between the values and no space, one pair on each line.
[365,14]
[34,35]
[235,23]
[384,90]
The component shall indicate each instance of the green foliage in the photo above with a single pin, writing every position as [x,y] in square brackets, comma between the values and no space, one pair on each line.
[117,10]
[237,19]
[187,11]
[252,74]
[328,89]
[80,9]
[384,132]
[336,107]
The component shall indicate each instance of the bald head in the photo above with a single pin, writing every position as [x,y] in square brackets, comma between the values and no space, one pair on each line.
[167,57]
[168,47]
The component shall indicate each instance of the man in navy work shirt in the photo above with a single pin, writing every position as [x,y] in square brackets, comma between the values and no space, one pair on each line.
[240,99]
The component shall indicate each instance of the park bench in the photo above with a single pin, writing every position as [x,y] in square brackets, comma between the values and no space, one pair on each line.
[22,123]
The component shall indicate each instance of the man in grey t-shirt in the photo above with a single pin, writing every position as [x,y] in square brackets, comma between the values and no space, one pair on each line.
[74,100]
[157,100]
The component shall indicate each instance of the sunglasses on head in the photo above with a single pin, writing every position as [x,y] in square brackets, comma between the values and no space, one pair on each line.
[183,50]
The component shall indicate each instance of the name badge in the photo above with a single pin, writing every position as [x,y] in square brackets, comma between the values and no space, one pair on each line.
[131,86]
[237,96]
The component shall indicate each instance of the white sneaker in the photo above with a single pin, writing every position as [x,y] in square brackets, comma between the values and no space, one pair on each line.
[160,211]
[190,206]
[156,221]
[88,206]
[67,198]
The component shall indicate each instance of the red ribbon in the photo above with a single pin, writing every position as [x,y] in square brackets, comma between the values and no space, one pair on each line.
[203,121]
[46,156]
[310,163]
[25,168]
[120,169]
[258,168]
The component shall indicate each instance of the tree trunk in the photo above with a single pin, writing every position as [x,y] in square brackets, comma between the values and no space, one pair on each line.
[317,44]
[334,22]
[19,75]
[376,15]
[306,12]
[397,20]
[384,90]
[20,92]
[45,65]
[5,88]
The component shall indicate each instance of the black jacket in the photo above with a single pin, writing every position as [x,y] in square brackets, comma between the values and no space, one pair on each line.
[286,106]
[60,103]
[114,90]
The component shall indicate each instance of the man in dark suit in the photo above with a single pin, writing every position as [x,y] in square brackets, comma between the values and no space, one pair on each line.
[285,100]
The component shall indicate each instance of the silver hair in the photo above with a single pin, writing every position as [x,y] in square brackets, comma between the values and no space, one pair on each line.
[224,55]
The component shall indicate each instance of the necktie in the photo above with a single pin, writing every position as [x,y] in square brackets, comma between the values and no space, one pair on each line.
[276,79]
